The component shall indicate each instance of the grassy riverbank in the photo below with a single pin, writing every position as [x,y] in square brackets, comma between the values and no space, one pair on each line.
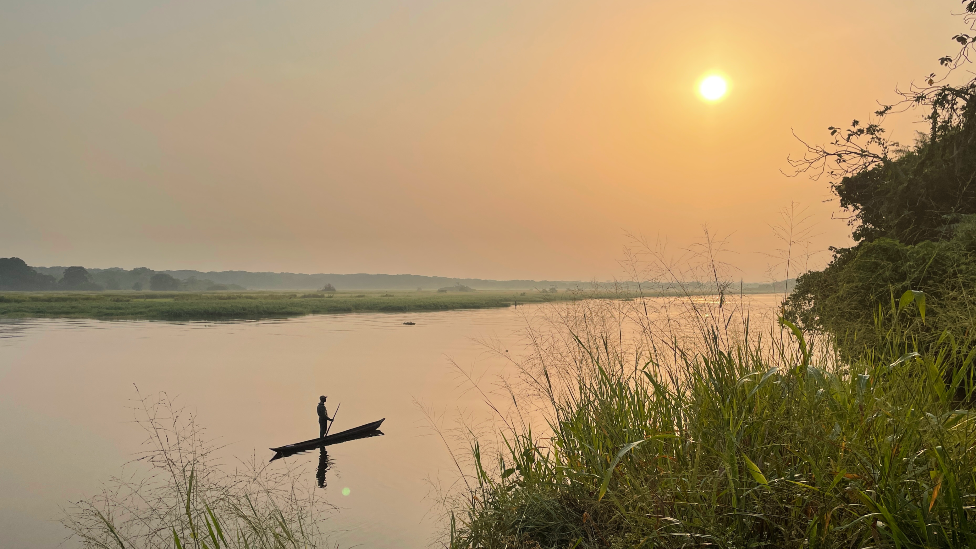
[249,305]
[183,306]
[733,444]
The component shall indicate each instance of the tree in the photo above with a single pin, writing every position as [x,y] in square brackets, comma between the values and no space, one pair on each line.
[77,278]
[16,275]
[910,194]
[915,193]
[913,214]
[328,288]
[162,282]
[139,277]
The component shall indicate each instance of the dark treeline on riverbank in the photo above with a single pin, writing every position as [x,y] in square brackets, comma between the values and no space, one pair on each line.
[16,275]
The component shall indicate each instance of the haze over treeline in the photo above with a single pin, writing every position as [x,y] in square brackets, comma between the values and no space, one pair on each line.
[16,275]
[503,140]
[300,281]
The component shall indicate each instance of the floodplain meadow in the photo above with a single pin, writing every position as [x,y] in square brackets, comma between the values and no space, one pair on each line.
[185,306]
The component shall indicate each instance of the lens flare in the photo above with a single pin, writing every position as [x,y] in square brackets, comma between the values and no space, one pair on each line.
[713,88]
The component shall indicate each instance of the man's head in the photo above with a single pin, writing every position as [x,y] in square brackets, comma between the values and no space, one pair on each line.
[322,399]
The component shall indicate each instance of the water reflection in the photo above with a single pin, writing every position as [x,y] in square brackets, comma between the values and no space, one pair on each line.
[66,382]
[324,463]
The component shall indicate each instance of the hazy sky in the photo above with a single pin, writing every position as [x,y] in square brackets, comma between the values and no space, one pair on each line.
[489,139]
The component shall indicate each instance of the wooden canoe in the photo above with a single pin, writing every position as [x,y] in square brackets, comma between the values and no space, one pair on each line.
[363,431]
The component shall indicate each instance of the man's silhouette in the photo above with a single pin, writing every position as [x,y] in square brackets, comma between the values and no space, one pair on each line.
[323,417]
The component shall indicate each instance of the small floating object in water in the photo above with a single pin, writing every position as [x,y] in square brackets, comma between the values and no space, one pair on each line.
[408,323]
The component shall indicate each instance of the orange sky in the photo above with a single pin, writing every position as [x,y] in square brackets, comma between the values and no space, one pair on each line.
[495,139]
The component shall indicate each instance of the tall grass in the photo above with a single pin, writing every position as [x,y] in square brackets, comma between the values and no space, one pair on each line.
[709,436]
[177,494]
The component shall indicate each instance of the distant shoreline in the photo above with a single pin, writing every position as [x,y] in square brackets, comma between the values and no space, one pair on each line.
[188,306]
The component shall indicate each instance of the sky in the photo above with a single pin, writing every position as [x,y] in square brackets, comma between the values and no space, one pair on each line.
[502,139]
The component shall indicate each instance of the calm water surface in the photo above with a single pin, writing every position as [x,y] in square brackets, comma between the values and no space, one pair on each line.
[66,385]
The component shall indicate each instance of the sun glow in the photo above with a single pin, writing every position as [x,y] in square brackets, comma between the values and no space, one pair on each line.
[713,88]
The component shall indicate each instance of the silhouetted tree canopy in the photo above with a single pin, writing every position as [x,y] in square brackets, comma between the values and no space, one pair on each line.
[16,275]
[77,278]
[927,189]
[162,282]
[913,213]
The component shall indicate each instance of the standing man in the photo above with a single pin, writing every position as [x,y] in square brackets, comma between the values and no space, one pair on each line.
[323,417]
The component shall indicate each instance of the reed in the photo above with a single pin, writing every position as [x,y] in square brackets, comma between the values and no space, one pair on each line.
[728,439]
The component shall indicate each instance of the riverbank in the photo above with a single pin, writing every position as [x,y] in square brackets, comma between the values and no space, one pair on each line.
[253,305]
[184,306]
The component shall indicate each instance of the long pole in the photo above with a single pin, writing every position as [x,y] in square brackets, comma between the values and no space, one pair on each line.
[333,419]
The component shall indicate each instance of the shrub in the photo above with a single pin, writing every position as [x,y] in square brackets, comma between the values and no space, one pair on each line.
[864,282]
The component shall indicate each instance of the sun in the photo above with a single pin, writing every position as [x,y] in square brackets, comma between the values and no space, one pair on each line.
[713,87]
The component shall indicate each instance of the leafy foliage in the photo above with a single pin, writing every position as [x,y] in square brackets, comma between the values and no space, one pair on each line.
[859,288]
[77,278]
[925,191]
[162,282]
[16,275]
[913,212]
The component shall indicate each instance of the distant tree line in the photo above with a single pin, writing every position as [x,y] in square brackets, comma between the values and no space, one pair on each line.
[16,275]
[456,288]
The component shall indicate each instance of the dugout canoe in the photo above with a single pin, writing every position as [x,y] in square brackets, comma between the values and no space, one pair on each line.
[363,431]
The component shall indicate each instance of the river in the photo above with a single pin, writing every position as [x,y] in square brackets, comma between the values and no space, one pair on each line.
[67,388]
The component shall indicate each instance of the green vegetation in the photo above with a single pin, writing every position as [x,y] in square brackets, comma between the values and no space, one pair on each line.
[250,305]
[913,213]
[863,283]
[15,274]
[77,279]
[733,444]
[220,305]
